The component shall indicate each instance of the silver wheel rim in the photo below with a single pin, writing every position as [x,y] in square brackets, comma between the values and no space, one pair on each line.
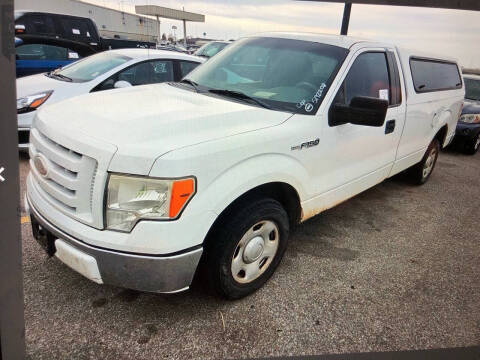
[255,251]
[477,144]
[429,163]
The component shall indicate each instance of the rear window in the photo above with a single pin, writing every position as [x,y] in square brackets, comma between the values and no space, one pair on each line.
[42,52]
[434,75]
[39,24]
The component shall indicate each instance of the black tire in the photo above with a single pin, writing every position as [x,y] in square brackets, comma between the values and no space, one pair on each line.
[472,146]
[224,241]
[416,172]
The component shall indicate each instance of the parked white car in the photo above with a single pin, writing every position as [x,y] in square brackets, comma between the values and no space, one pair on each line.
[137,187]
[102,71]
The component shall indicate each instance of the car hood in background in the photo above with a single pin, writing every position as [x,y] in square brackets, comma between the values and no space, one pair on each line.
[145,122]
[33,84]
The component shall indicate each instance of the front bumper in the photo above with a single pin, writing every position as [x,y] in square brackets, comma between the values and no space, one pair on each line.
[466,132]
[160,274]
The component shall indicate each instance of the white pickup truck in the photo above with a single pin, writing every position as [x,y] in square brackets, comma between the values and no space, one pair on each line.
[139,187]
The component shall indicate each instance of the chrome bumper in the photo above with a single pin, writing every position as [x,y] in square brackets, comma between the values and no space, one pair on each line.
[160,274]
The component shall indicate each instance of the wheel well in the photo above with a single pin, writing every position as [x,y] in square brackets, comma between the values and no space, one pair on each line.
[284,193]
[442,135]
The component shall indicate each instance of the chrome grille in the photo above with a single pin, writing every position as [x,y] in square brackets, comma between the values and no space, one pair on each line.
[69,177]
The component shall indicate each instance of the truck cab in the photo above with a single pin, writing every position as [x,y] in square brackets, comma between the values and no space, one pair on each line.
[143,187]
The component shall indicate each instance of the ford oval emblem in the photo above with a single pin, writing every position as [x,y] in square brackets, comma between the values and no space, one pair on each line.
[41,165]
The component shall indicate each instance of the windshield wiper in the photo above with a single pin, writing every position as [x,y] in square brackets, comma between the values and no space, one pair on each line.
[191,83]
[239,95]
[60,76]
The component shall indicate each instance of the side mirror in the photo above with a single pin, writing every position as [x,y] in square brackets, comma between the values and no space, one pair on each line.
[366,111]
[121,84]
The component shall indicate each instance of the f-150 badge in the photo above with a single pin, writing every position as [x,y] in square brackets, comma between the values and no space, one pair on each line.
[306,145]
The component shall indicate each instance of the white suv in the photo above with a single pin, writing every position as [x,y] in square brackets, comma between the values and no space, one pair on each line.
[135,187]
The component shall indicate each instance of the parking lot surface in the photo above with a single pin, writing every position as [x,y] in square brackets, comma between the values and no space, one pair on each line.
[395,268]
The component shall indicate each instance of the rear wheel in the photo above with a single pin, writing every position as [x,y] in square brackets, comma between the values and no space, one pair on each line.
[420,173]
[472,146]
[247,247]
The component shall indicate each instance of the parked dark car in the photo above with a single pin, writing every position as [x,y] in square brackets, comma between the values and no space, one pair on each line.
[467,135]
[37,53]
[47,41]
[73,28]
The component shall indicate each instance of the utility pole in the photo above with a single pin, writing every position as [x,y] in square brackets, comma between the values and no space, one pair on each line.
[12,324]
[346,18]
[184,31]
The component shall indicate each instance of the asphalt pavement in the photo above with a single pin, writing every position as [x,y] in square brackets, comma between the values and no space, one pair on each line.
[395,268]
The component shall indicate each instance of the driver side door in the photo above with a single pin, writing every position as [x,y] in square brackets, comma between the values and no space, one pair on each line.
[358,156]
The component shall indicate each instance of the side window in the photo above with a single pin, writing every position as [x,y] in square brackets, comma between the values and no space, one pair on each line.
[148,72]
[434,75]
[40,24]
[75,29]
[186,67]
[368,76]
[42,52]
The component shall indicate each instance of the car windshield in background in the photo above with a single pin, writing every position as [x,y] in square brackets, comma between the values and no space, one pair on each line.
[90,68]
[284,74]
[210,49]
[472,88]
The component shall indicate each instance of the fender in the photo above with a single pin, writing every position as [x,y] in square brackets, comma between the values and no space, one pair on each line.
[251,173]
[438,122]
[227,175]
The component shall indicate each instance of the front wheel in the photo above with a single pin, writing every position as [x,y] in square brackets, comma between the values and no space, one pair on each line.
[247,247]
[420,173]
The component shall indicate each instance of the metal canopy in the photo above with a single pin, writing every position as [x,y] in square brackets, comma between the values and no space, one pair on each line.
[163,12]
[168,13]
[442,4]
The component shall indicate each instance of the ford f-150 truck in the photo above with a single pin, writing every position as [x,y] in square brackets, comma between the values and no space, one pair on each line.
[139,187]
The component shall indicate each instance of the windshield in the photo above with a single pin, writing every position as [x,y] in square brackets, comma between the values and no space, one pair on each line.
[210,49]
[472,89]
[287,75]
[17,14]
[91,67]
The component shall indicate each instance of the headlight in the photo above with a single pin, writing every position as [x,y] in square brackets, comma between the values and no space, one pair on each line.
[132,198]
[32,102]
[470,118]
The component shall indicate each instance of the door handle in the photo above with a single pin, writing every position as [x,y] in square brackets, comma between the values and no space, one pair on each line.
[390,126]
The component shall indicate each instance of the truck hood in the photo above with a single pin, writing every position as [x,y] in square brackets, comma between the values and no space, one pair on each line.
[145,122]
[33,84]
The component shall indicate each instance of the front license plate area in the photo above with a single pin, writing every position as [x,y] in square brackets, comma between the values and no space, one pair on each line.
[43,237]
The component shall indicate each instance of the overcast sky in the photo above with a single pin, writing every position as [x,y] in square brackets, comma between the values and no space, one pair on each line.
[440,31]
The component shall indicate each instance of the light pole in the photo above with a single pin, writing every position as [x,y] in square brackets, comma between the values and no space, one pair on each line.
[159,38]
[184,31]
[174,28]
